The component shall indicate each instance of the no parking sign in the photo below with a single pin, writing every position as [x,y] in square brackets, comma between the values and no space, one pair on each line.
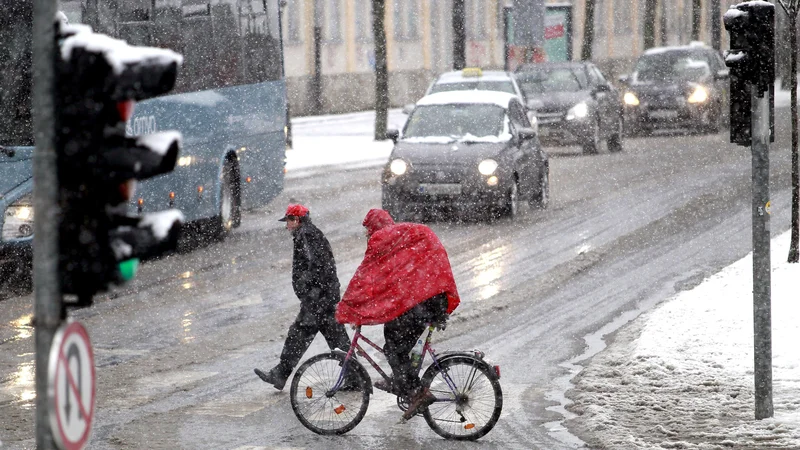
[71,387]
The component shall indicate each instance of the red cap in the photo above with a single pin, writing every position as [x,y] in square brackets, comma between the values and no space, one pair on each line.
[294,210]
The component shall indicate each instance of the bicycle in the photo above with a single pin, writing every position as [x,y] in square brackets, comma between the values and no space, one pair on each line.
[330,391]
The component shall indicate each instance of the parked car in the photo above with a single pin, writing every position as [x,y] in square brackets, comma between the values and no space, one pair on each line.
[465,151]
[677,87]
[574,104]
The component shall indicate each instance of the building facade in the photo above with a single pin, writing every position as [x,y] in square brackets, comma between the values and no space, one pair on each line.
[419,42]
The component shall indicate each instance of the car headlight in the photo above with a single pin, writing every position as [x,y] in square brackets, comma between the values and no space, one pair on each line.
[487,166]
[630,99]
[18,219]
[700,95]
[578,111]
[398,167]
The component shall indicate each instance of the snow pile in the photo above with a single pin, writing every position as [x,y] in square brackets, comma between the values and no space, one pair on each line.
[681,376]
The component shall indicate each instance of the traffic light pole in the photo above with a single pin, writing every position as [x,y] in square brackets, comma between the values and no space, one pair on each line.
[48,310]
[762,317]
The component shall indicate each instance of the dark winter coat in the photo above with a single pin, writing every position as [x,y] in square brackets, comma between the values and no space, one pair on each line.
[314,276]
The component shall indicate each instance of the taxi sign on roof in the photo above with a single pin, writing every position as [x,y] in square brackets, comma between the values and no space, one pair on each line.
[472,72]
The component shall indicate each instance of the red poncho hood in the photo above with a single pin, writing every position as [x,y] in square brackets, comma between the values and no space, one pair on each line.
[405,264]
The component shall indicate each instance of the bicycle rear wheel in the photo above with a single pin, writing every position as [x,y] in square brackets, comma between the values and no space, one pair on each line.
[317,407]
[469,409]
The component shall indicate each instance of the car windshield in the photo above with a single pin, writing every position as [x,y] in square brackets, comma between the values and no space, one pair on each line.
[542,81]
[455,121]
[671,66]
[480,85]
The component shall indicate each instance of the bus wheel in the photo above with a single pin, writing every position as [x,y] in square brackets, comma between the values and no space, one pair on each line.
[229,201]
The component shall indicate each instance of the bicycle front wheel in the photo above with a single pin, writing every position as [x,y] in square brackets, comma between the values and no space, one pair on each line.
[468,398]
[316,405]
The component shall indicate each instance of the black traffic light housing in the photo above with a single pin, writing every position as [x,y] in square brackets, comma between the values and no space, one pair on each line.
[751,59]
[97,80]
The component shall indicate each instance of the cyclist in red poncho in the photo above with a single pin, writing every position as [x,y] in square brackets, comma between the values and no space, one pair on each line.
[404,282]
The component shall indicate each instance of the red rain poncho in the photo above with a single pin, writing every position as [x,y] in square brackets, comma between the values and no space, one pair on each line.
[405,264]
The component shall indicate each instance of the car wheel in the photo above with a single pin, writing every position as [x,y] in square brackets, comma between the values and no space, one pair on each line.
[615,140]
[229,201]
[542,198]
[593,146]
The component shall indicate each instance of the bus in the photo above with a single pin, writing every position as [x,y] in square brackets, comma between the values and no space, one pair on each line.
[229,102]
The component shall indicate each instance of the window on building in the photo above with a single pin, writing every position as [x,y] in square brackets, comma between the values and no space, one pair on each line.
[476,19]
[331,14]
[406,19]
[294,28]
[363,23]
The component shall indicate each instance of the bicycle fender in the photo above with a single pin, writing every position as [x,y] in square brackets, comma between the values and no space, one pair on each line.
[445,356]
[355,366]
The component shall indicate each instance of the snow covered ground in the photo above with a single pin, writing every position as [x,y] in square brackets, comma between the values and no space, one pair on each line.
[681,375]
[344,141]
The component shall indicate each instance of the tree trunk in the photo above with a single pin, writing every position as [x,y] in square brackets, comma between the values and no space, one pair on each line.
[793,247]
[697,11]
[316,80]
[588,30]
[650,23]
[459,36]
[716,30]
[381,70]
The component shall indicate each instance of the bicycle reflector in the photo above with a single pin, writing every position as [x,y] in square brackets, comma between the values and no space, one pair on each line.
[497,371]
[309,392]
[339,409]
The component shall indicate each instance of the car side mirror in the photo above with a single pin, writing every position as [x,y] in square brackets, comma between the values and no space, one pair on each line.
[408,108]
[393,134]
[722,74]
[601,88]
[525,134]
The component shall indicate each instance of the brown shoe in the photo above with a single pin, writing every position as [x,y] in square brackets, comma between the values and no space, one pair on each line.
[419,401]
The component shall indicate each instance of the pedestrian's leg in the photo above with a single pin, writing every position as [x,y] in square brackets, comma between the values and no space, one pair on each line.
[334,332]
[400,335]
[301,335]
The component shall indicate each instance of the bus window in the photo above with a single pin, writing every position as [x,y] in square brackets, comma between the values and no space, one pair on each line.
[228,69]
[198,49]
[134,21]
[262,49]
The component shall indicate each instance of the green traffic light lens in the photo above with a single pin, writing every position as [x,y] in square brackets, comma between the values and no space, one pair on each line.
[128,268]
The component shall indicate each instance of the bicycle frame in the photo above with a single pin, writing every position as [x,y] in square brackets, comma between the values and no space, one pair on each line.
[357,349]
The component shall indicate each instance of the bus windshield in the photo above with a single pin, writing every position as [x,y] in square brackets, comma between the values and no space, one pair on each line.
[16,128]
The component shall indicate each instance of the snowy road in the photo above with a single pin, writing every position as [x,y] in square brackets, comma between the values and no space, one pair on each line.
[176,348]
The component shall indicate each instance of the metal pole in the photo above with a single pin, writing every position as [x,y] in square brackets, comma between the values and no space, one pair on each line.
[459,36]
[762,318]
[48,310]
[716,29]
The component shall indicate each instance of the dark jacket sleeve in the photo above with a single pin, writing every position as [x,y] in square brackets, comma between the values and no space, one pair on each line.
[314,275]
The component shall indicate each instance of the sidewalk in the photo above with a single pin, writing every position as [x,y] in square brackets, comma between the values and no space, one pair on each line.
[681,375]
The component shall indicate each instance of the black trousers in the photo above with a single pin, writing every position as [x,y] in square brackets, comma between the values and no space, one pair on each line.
[402,333]
[302,332]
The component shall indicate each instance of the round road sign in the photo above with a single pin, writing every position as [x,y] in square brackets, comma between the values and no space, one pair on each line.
[71,386]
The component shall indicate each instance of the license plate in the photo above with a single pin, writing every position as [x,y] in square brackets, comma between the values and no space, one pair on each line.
[663,114]
[440,189]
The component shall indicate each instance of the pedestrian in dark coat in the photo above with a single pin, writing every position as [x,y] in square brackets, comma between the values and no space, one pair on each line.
[316,284]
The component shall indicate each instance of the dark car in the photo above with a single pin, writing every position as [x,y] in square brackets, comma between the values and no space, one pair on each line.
[465,151]
[574,104]
[677,87]
[16,213]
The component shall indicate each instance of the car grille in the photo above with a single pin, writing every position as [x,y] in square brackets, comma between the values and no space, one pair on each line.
[439,174]
[552,117]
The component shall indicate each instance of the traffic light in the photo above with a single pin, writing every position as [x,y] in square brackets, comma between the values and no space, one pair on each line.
[97,81]
[751,59]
